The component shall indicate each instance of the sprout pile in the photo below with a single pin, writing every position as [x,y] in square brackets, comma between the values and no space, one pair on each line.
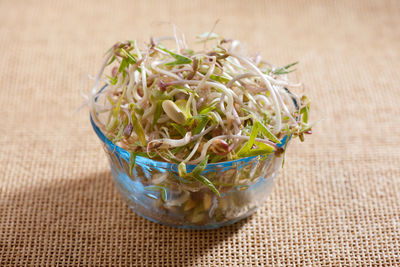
[183,106]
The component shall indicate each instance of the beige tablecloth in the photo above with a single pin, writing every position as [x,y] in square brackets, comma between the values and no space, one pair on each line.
[336,201]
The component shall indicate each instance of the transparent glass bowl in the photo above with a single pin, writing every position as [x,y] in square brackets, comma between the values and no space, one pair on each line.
[155,191]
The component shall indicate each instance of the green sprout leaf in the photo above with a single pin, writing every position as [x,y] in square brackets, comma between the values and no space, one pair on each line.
[202,179]
[304,110]
[179,58]
[267,133]
[113,80]
[120,132]
[201,166]
[207,110]
[196,174]
[179,128]
[220,79]
[128,55]
[285,69]
[182,169]
[123,65]
[157,113]
[249,144]
[137,126]
[158,95]
[161,189]
[111,60]
[202,121]
[132,160]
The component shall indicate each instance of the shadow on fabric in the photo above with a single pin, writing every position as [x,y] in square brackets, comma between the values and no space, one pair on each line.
[83,221]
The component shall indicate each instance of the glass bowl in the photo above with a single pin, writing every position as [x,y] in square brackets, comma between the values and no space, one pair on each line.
[154,190]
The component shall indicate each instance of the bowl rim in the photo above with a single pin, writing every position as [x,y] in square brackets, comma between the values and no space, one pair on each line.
[148,161]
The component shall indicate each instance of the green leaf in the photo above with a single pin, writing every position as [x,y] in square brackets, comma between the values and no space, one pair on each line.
[120,132]
[130,58]
[157,113]
[158,95]
[308,127]
[179,58]
[179,128]
[144,154]
[220,79]
[111,60]
[183,106]
[200,167]
[182,170]
[285,69]
[115,113]
[202,179]
[117,108]
[249,144]
[216,158]
[196,174]
[113,123]
[264,146]
[207,110]
[138,110]
[132,160]
[138,128]
[304,110]
[162,189]
[202,121]
[177,149]
[113,80]
[123,65]
[267,133]
[257,152]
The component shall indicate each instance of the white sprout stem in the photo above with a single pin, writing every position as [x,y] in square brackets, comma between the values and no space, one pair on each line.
[237,65]
[181,69]
[285,109]
[208,74]
[154,65]
[239,77]
[204,132]
[219,119]
[174,92]
[178,45]
[194,150]
[263,98]
[236,116]
[174,157]
[271,89]
[143,67]
[135,93]
[250,97]
[221,102]
[167,142]
[205,149]
[246,117]
[95,90]
[149,112]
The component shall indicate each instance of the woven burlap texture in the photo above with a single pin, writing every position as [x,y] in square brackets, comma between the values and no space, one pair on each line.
[336,201]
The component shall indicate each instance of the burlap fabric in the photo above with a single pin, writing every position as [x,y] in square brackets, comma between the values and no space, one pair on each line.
[335,203]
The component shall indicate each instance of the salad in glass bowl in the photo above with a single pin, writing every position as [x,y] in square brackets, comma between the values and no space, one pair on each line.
[194,137]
